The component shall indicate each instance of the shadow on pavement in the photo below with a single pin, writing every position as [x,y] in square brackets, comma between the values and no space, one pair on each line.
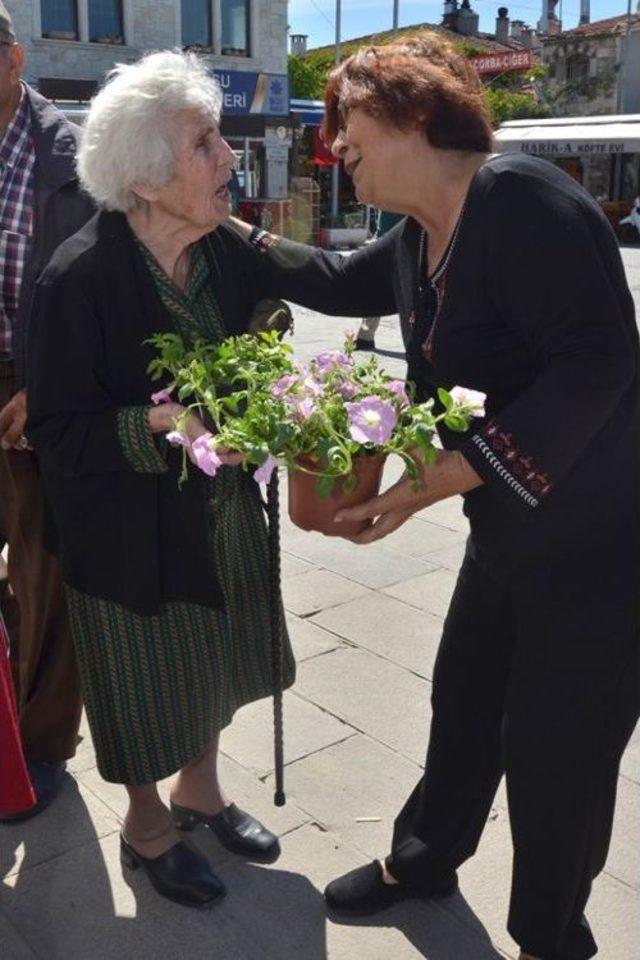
[395,354]
[433,929]
[61,889]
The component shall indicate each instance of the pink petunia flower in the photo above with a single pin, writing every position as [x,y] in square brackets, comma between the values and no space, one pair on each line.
[284,384]
[204,454]
[162,396]
[264,471]
[472,399]
[305,408]
[347,390]
[399,388]
[178,439]
[327,361]
[311,387]
[371,420]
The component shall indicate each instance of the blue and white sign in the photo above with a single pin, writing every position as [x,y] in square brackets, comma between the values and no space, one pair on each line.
[255,93]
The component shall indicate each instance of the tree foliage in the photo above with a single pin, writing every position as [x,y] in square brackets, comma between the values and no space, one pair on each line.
[306,78]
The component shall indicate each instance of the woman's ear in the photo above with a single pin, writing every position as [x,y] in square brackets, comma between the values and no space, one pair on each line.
[144,192]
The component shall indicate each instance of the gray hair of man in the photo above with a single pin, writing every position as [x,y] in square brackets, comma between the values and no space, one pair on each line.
[129,134]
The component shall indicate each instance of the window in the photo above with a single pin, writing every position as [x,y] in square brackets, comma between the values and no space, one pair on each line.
[60,19]
[196,23]
[578,67]
[105,21]
[235,28]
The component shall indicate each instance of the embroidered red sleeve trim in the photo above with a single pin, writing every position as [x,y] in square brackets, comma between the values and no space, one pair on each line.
[520,465]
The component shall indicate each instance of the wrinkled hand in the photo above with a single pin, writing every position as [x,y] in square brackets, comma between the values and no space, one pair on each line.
[450,475]
[13,418]
[163,417]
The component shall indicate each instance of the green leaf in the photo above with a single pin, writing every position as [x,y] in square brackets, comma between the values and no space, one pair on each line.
[445,398]
[324,486]
[349,483]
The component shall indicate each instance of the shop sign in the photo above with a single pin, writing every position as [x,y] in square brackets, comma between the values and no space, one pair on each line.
[504,62]
[560,148]
[256,93]
[276,151]
[278,135]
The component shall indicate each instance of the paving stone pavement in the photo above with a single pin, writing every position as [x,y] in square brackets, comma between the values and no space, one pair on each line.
[365,624]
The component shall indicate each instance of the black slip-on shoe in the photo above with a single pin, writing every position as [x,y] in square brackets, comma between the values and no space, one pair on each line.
[180,874]
[236,830]
[363,891]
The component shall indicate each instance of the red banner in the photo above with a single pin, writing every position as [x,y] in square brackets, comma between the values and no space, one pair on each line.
[504,62]
[322,157]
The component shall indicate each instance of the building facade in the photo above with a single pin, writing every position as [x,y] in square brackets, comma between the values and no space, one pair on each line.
[72,44]
[594,69]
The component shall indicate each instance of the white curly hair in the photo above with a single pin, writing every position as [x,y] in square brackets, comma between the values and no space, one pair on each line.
[128,138]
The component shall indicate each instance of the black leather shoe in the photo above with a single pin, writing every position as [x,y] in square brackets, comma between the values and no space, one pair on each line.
[362,344]
[236,830]
[180,874]
[363,891]
[47,779]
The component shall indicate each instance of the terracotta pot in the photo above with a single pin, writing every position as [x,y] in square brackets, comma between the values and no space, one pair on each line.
[311,512]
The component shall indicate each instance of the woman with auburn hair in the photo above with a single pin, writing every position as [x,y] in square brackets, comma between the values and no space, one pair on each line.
[507,279]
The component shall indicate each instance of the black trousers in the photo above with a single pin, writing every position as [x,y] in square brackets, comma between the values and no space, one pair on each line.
[544,688]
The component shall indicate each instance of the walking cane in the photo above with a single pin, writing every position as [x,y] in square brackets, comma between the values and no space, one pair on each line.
[273,513]
[275,315]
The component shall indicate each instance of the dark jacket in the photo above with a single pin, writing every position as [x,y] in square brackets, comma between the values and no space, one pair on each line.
[60,207]
[536,313]
[128,536]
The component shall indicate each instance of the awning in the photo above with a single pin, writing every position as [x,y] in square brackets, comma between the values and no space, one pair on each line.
[309,112]
[571,136]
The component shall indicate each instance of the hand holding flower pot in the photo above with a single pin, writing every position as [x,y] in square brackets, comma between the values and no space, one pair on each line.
[331,423]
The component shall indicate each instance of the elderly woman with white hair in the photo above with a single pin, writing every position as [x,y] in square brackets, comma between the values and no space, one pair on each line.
[167,588]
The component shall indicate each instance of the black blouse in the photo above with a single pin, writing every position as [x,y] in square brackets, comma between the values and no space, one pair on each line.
[126,531]
[536,313]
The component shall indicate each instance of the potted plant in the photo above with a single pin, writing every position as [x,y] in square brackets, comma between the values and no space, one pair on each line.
[332,422]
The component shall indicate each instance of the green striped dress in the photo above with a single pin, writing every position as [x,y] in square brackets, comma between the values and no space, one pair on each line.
[158,688]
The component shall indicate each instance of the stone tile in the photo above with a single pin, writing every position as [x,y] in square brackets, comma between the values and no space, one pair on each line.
[630,765]
[431,592]
[76,818]
[389,628]
[419,538]
[292,566]
[249,739]
[373,695]
[12,944]
[310,640]
[450,557]
[448,513]
[623,861]
[80,907]
[374,565]
[350,780]
[317,590]
[613,911]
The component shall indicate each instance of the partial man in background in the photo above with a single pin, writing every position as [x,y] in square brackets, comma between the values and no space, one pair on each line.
[40,206]
[366,335]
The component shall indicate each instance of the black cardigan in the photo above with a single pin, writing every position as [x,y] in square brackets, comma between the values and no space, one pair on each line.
[538,315]
[123,535]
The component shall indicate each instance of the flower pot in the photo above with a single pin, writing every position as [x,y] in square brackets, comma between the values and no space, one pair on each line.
[311,512]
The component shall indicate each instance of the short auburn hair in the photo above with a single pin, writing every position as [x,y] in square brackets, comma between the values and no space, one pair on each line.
[421,81]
